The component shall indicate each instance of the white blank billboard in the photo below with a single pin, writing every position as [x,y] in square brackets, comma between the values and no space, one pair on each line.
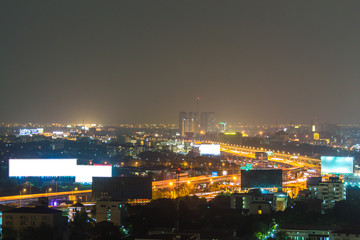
[209,149]
[56,168]
[86,172]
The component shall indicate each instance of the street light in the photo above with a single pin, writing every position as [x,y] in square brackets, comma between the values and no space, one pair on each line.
[48,190]
[24,190]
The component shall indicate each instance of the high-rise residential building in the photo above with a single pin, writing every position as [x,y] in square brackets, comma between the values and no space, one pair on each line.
[207,122]
[188,123]
[182,121]
[192,120]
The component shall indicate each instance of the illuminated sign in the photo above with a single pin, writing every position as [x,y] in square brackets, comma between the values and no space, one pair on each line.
[337,165]
[56,168]
[210,149]
[58,133]
[249,166]
[313,128]
[316,136]
[230,133]
[269,153]
[25,131]
[214,174]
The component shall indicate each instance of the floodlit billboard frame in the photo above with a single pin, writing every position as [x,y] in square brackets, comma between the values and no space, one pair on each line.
[337,165]
[210,149]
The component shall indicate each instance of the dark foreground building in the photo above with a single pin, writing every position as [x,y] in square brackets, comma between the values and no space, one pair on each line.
[20,222]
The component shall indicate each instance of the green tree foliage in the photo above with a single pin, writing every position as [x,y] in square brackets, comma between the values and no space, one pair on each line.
[81,227]
[221,201]
[107,231]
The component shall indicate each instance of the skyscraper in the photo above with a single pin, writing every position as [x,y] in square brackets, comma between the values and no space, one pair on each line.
[192,120]
[182,121]
[207,122]
[187,123]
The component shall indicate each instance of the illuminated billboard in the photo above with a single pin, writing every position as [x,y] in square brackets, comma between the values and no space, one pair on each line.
[25,131]
[57,168]
[210,149]
[337,165]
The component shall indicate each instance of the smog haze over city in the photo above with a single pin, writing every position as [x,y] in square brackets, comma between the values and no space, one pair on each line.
[179,120]
[145,61]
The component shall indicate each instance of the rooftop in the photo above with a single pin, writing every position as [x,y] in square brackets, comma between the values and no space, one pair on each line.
[33,210]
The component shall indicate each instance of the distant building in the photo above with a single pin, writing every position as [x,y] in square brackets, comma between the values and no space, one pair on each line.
[126,189]
[182,120]
[188,123]
[207,122]
[329,192]
[231,137]
[222,127]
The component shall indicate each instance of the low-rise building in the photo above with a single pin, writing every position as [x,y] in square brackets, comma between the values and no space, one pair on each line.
[329,192]
[345,234]
[73,209]
[254,200]
[304,232]
[3,208]
[111,211]
[19,219]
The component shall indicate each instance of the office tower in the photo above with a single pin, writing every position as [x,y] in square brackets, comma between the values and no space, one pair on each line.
[207,122]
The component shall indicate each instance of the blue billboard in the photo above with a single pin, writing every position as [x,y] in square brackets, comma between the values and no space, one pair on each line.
[337,165]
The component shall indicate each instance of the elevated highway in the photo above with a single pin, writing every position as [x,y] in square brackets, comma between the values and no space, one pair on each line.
[281,157]
[247,151]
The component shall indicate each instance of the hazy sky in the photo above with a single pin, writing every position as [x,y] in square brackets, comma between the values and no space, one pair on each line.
[144,61]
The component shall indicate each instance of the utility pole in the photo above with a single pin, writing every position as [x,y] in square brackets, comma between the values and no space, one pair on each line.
[177,224]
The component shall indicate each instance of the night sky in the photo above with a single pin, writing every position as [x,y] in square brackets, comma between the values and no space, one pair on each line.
[145,61]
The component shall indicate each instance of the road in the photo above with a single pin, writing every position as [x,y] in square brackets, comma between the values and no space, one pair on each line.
[34,196]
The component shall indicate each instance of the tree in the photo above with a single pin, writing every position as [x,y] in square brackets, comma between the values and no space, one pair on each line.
[81,226]
[107,231]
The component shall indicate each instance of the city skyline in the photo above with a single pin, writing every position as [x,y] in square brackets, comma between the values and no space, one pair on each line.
[145,61]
